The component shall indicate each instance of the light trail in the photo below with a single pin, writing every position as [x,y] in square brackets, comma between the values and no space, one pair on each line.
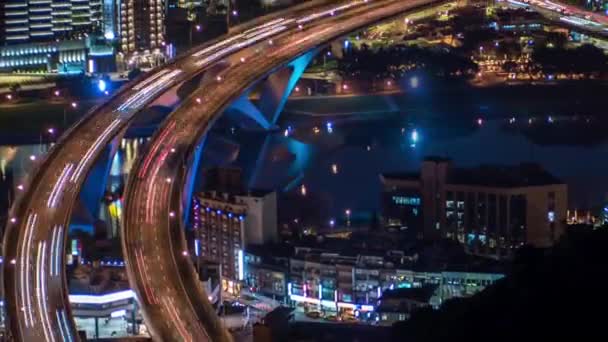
[58,187]
[60,326]
[149,292]
[56,251]
[41,292]
[137,100]
[98,142]
[217,45]
[270,23]
[332,11]
[150,79]
[224,52]
[63,321]
[26,300]
[180,325]
[150,155]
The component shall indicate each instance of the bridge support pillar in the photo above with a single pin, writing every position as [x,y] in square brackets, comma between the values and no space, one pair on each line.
[192,180]
[279,85]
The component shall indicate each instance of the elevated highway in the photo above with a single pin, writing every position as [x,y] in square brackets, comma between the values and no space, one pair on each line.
[153,230]
[36,297]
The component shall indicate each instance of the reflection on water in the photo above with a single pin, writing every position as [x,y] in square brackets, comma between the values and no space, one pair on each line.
[402,147]
[343,162]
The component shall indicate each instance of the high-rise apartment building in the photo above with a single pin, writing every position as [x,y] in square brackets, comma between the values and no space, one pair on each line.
[26,21]
[224,224]
[491,209]
[142,25]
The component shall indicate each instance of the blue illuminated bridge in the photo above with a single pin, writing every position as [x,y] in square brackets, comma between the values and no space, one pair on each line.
[271,53]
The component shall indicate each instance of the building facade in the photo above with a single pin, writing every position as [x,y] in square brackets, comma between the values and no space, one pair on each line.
[224,224]
[142,26]
[351,284]
[27,21]
[491,210]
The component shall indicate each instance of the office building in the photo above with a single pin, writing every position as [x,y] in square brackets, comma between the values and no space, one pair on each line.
[224,224]
[490,209]
[27,21]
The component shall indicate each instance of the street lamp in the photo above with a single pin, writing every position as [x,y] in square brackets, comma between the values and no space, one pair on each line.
[347,212]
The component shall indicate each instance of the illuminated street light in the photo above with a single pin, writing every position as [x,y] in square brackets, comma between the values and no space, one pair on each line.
[172,214]
[414,82]
[242,59]
[347,212]
[57,93]
[303,190]
[168,180]
[185,253]
[102,86]
[198,28]
[32,157]
[235,13]
[51,130]
[9,96]
[13,220]
[74,104]
[198,100]
[480,121]
[20,187]
[332,223]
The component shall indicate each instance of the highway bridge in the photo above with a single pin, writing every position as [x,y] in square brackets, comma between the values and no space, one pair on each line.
[274,51]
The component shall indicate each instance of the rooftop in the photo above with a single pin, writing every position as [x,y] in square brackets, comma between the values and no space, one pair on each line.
[500,176]
[418,294]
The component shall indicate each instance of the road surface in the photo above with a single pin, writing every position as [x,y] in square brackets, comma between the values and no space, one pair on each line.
[36,302]
[153,234]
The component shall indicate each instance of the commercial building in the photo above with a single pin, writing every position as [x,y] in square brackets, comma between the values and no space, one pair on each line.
[27,21]
[63,57]
[398,304]
[490,209]
[353,284]
[224,224]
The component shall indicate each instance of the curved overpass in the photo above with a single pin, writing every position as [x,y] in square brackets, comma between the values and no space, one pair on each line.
[36,297]
[153,239]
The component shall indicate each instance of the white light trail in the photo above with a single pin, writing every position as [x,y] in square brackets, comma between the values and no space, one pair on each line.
[240,45]
[41,292]
[217,45]
[93,149]
[150,79]
[64,322]
[56,250]
[270,23]
[26,301]
[56,193]
[137,100]
[60,326]
[332,11]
